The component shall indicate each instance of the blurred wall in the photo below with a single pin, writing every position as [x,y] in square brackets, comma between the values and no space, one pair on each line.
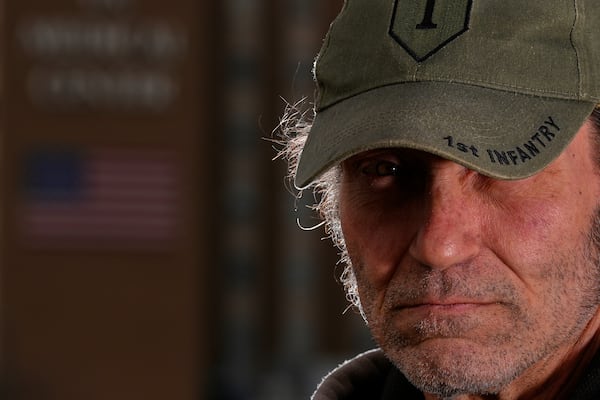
[102,250]
[150,247]
[281,318]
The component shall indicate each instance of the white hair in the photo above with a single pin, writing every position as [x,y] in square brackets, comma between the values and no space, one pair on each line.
[293,131]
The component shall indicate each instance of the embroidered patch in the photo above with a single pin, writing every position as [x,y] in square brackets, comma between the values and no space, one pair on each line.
[422,27]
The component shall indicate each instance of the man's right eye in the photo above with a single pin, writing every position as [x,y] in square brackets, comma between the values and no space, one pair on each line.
[396,175]
[381,168]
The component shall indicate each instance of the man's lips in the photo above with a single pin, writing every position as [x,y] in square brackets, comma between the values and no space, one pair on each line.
[446,306]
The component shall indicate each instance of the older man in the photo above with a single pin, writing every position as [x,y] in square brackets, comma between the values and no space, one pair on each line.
[456,147]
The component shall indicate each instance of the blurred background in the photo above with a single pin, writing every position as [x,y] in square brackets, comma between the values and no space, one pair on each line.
[149,247]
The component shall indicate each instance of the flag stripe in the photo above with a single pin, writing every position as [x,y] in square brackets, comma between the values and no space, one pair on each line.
[102,194]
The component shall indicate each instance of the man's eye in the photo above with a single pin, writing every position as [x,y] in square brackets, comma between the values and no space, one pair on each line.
[390,175]
[386,168]
[381,168]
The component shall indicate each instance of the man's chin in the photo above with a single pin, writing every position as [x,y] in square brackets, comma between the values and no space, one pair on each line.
[451,366]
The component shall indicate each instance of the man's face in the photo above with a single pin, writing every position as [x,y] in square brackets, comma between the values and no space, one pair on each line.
[468,282]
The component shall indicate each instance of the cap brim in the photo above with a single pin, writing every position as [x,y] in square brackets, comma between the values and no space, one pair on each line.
[497,133]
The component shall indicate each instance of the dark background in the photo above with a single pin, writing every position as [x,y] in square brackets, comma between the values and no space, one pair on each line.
[226,298]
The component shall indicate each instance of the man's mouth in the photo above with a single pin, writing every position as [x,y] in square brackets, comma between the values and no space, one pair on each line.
[446,306]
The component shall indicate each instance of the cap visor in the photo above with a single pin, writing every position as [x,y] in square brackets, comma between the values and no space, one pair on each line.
[497,133]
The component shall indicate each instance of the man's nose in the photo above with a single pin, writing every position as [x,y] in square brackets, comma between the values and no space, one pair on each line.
[450,230]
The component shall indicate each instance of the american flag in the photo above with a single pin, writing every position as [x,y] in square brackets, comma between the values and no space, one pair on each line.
[100,197]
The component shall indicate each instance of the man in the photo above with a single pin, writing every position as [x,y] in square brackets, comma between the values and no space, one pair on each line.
[455,146]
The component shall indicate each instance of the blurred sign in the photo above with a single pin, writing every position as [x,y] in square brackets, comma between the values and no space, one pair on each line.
[102,55]
[115,80]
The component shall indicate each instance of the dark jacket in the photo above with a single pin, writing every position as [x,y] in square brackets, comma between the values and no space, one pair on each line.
[370,376]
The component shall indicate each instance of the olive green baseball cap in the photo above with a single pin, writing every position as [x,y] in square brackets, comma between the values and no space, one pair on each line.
[499,86]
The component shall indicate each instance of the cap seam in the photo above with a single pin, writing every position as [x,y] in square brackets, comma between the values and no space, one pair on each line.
[572,41]
[502,86]
[483,84]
